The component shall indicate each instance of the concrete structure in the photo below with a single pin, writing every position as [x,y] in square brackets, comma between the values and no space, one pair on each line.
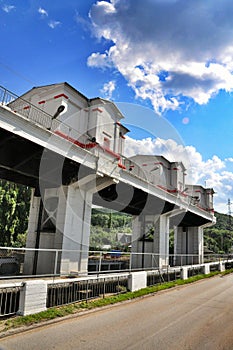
[137,280]
[190,241]
[169,176]
[70,150]
[33,296]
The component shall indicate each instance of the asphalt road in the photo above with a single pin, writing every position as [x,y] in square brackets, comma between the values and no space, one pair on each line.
[197,316]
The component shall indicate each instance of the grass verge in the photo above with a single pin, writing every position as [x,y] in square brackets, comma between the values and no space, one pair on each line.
[65,310]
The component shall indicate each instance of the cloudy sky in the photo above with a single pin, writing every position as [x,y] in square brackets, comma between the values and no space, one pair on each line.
[171,59]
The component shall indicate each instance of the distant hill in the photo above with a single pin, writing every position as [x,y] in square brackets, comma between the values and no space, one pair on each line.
[223,221]
[219,237]
[107,224]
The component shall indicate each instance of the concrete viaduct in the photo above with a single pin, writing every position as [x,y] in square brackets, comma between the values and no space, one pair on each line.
[70,150]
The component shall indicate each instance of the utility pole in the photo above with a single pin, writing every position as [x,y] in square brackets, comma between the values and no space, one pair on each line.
[229,236]
[229,213]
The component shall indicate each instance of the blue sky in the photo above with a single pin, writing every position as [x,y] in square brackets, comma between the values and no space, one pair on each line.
[174,58]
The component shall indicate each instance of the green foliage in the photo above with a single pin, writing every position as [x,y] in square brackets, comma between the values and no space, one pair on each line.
[14,208]
[223,222]
[219,238]
[100,236]
[108,219]
[105,225]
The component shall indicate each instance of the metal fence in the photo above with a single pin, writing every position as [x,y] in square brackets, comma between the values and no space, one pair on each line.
[19,262]
[70,292]
[162,276]
[196,270]
[36,115]
[67,291]
[9,300]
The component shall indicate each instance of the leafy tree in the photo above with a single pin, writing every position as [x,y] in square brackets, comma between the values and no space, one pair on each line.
[219,241]
[105,226]
[219,238]
[14,209]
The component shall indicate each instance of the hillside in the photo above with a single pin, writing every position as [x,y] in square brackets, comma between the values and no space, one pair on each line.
[219,238]
[106,225]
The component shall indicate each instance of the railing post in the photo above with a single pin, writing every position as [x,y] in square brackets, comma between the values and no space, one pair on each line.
[55,262]
[104,290]
[4,95]
[100,261]
[130,261]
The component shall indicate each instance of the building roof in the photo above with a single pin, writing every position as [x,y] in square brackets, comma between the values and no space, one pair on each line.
[88,100]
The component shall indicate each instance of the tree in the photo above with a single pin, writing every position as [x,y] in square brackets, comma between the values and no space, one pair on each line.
[14,209]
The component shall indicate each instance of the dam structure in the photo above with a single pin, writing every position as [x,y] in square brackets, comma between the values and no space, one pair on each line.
[70,150]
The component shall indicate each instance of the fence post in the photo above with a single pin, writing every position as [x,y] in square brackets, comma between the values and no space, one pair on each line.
[33,297]
[130,261]
[100,261]
[55,262]
[184,273]
[104,290]
[137,280]
[221,266]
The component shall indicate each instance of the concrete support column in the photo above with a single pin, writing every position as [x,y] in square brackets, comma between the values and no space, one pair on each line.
[163,240]
[144,253]
[188,245]
[74,220]
[135,243]
[64,226]
[150,241]
[31,232]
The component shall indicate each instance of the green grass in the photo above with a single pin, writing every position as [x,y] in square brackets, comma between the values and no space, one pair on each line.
[57,312]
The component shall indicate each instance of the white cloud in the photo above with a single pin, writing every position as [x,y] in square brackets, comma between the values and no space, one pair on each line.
[211,172]
[166,49]
[53,24]
[108,89]
[99,60]
[43,12]
[8,8]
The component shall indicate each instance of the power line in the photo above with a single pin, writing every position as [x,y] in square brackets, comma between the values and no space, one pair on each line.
[13,71]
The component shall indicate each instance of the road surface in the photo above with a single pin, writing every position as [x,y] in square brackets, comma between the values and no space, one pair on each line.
[197,316]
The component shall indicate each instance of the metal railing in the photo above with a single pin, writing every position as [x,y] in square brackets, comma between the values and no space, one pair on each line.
[36,115]
[61,291]
[24,108]
[9,300]
[163,275]
[19,262]
[70,292]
